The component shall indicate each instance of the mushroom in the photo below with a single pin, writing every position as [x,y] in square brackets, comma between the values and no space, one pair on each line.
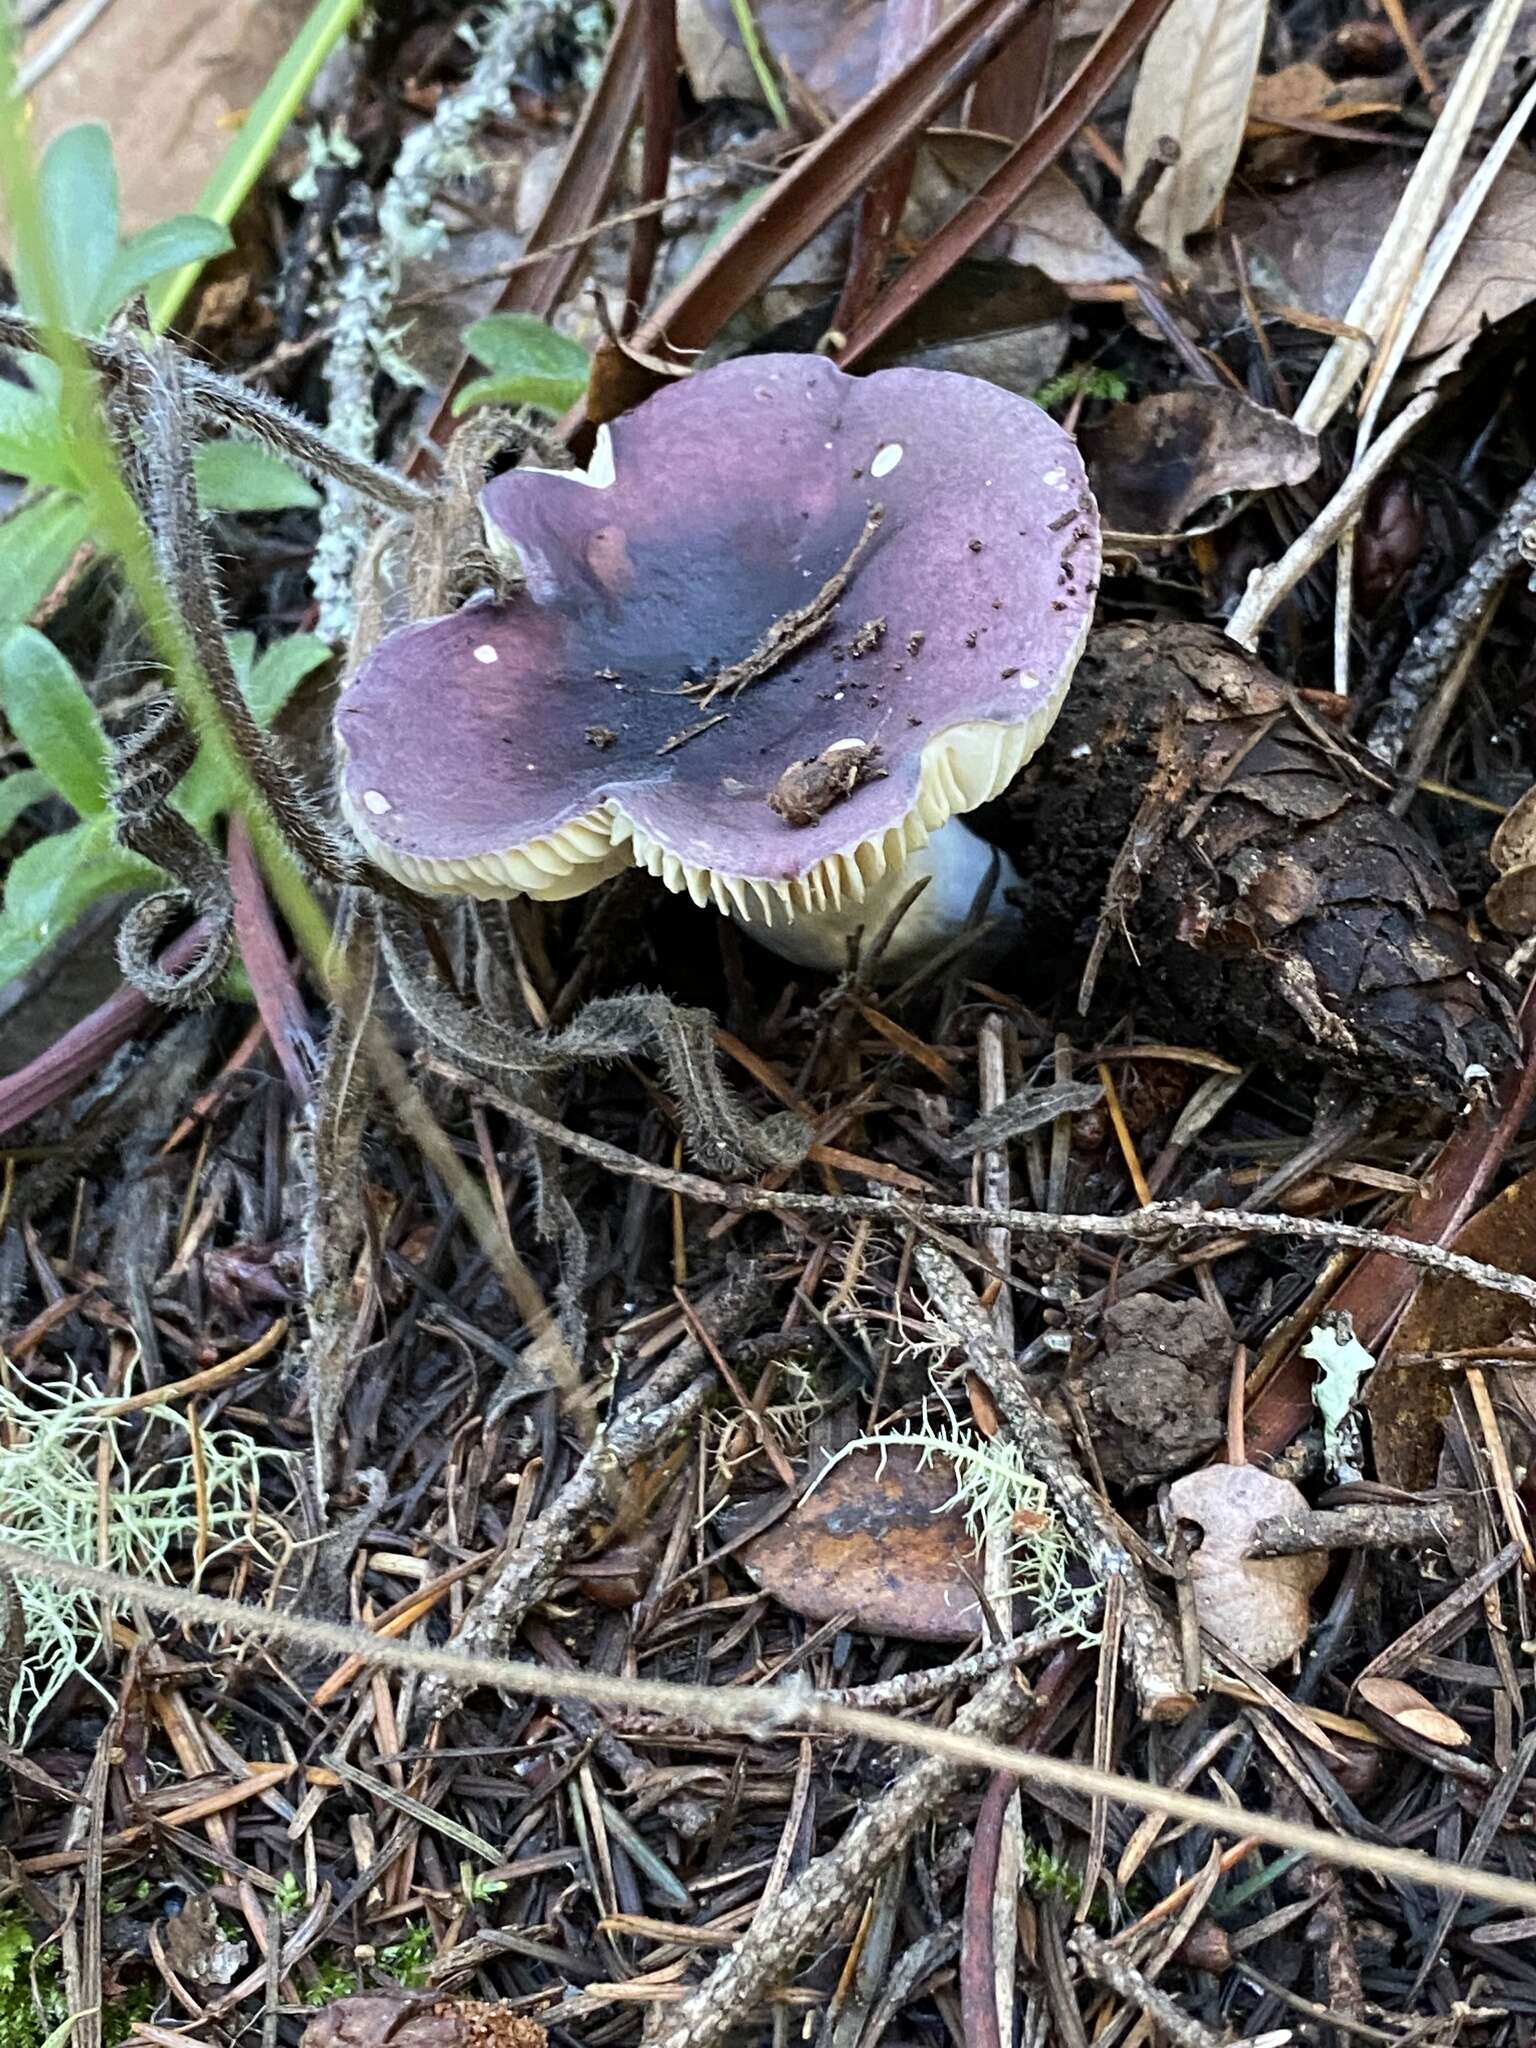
[781,632]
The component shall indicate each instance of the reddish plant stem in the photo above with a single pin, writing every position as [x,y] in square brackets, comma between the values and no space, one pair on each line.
[660,26]
[281,1006]
[834,169]
[906,26]
[1377,1290]
[978,1958]
[1015,86]
[592,160]
[1012,179]
[76,1055]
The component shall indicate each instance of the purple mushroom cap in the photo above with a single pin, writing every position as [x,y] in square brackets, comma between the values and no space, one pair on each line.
[537,743]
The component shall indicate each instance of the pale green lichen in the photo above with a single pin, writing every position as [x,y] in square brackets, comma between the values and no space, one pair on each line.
[67,1487]
[437,155]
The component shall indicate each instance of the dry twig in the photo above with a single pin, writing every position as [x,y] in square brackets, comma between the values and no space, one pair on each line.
[764,1712]
[1160,1220]
[1151,1647]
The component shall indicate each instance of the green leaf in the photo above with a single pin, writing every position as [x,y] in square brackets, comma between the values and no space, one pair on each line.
[15,1947]
[35,546]
[54,719]
[184,238]
[280,671]
[54,881]
[530,364]
[237,476]
[258,135]
[33,443]
[77,194]
[19,791]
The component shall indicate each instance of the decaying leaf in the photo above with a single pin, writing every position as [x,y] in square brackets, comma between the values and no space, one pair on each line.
[1258,1606]
[1312,247]
[1276,908]
[195,1945]
[1408,1396]
[877,1538]
[1192,90]
[1155,463]
[1053,228]
[1408,1707]
[194,71]
[831,47]
[405,2019]
[1305,92]
[1512,899]
[1342,1363]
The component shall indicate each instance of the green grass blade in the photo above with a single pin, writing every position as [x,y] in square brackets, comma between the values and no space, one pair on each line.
[259,134]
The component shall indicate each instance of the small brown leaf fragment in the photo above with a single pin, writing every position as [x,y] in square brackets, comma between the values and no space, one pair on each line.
[1409,1708]
[1511,902]
[601,736]
[807,790]
[1514,844]
[196,1948]
[1512,899]
[1260,1607]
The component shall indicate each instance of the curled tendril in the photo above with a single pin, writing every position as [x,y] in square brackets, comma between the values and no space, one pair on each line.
[720,1131]
[151,756]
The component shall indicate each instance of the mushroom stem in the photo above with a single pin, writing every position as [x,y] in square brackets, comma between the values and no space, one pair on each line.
[955,864]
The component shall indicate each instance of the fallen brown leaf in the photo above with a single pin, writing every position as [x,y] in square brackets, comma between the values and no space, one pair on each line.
[1512,899]
[829,47]
[1052,229]
[1192,90]
[1312,247]
[876,1538]
[193,67]
[1408,1400]
[1305,92]
[1156,462]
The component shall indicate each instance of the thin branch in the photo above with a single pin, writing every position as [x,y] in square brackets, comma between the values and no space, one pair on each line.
[1267,587]
[1150,1225]
[1151,1646]
[765,1712]
[820,1896]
